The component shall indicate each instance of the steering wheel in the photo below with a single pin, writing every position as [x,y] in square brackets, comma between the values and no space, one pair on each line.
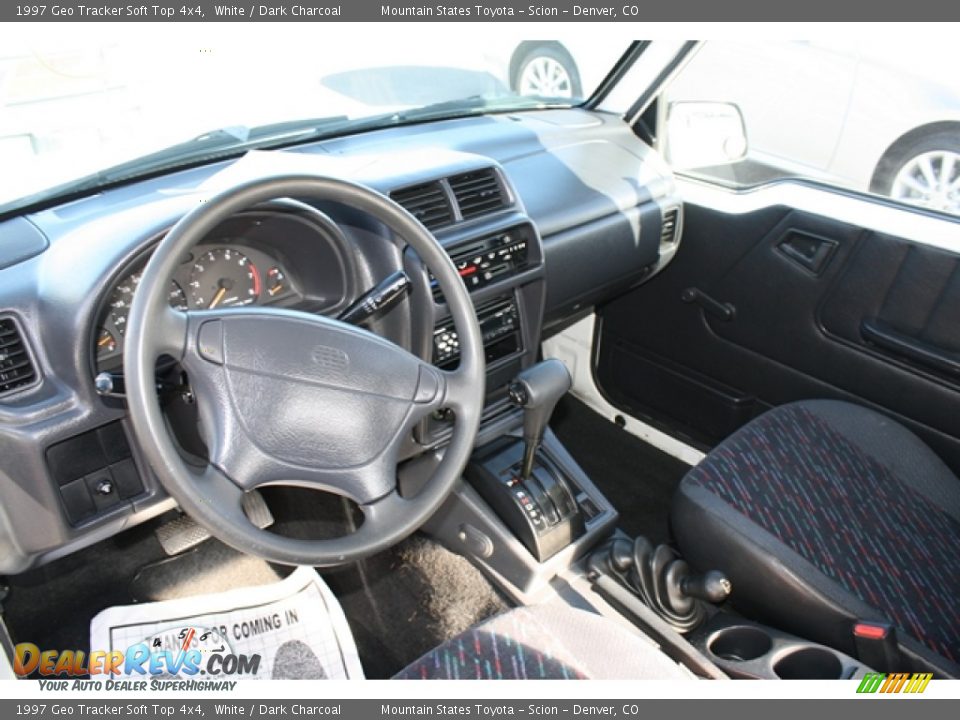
[290,398]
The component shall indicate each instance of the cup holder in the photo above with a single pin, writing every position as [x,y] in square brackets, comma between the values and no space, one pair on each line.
[809,663]
[740,643]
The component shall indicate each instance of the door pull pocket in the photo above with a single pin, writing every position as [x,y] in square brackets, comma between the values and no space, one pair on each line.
[910,348]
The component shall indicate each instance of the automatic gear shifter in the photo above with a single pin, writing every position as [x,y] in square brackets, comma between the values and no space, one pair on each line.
[537,390]
[529,490]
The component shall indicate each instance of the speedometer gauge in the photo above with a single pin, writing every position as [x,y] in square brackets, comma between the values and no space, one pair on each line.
[120,301]
[178,301]
[122,298]
[222,277]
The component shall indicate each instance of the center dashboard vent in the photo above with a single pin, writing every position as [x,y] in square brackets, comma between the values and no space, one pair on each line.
[428,203]
[477,192]
[16,368]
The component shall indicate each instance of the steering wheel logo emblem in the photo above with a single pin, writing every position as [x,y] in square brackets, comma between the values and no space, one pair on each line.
[329,357]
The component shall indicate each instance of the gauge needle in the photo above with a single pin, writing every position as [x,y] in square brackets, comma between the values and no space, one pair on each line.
[218,297]
[106,340]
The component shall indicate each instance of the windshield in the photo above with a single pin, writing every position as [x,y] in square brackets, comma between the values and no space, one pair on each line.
[77,109]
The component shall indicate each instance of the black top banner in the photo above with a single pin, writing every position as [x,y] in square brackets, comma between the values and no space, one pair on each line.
[465,11]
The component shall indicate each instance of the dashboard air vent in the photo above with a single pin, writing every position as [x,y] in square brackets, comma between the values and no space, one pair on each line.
[668,231]
[16,368]
[477,193]
[428,203]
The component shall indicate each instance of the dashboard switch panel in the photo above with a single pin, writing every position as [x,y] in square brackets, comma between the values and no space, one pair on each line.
[94,471]
[489,260]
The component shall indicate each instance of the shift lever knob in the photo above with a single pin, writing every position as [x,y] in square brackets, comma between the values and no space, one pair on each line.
[537,390]
[712,587]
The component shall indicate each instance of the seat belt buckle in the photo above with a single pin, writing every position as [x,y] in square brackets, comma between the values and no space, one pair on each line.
[876,644]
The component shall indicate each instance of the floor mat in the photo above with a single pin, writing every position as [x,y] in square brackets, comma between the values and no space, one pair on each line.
[636,477]
[290,629]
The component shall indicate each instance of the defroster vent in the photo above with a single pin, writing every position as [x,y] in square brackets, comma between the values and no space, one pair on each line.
[16,367]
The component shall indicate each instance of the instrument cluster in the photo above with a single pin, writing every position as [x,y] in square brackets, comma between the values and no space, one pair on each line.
[212,276]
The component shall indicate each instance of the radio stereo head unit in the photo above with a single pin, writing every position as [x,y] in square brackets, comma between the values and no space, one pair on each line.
[500,326]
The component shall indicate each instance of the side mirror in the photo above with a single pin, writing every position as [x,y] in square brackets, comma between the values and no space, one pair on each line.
[704,134]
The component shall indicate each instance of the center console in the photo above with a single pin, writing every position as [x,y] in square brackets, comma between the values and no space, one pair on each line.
[526,510]
[501,264]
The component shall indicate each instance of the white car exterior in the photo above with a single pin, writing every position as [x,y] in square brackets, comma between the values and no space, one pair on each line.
[852,115]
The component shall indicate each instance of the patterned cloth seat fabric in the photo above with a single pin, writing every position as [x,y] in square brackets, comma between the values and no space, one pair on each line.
[545,642]
[822,512]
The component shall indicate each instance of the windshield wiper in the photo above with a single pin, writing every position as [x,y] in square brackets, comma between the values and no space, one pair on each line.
[473,105]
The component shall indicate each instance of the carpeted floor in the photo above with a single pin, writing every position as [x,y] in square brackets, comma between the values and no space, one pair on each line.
[52,606]
[400,603]
[406,601]
[636,477]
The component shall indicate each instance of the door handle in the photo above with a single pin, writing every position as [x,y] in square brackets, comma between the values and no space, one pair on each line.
[722,310]
[811,252]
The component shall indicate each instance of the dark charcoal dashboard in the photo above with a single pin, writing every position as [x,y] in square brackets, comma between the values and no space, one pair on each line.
[544,213]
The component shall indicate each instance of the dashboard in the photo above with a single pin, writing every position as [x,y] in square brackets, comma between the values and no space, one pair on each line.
[544,213]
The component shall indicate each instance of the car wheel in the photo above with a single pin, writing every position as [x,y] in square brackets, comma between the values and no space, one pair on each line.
[925,172]
[547,71]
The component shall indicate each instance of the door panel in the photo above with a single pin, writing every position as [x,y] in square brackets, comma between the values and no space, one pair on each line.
[902,290]
[818,309]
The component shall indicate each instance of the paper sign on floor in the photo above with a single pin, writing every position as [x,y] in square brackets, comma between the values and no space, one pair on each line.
[292,629]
